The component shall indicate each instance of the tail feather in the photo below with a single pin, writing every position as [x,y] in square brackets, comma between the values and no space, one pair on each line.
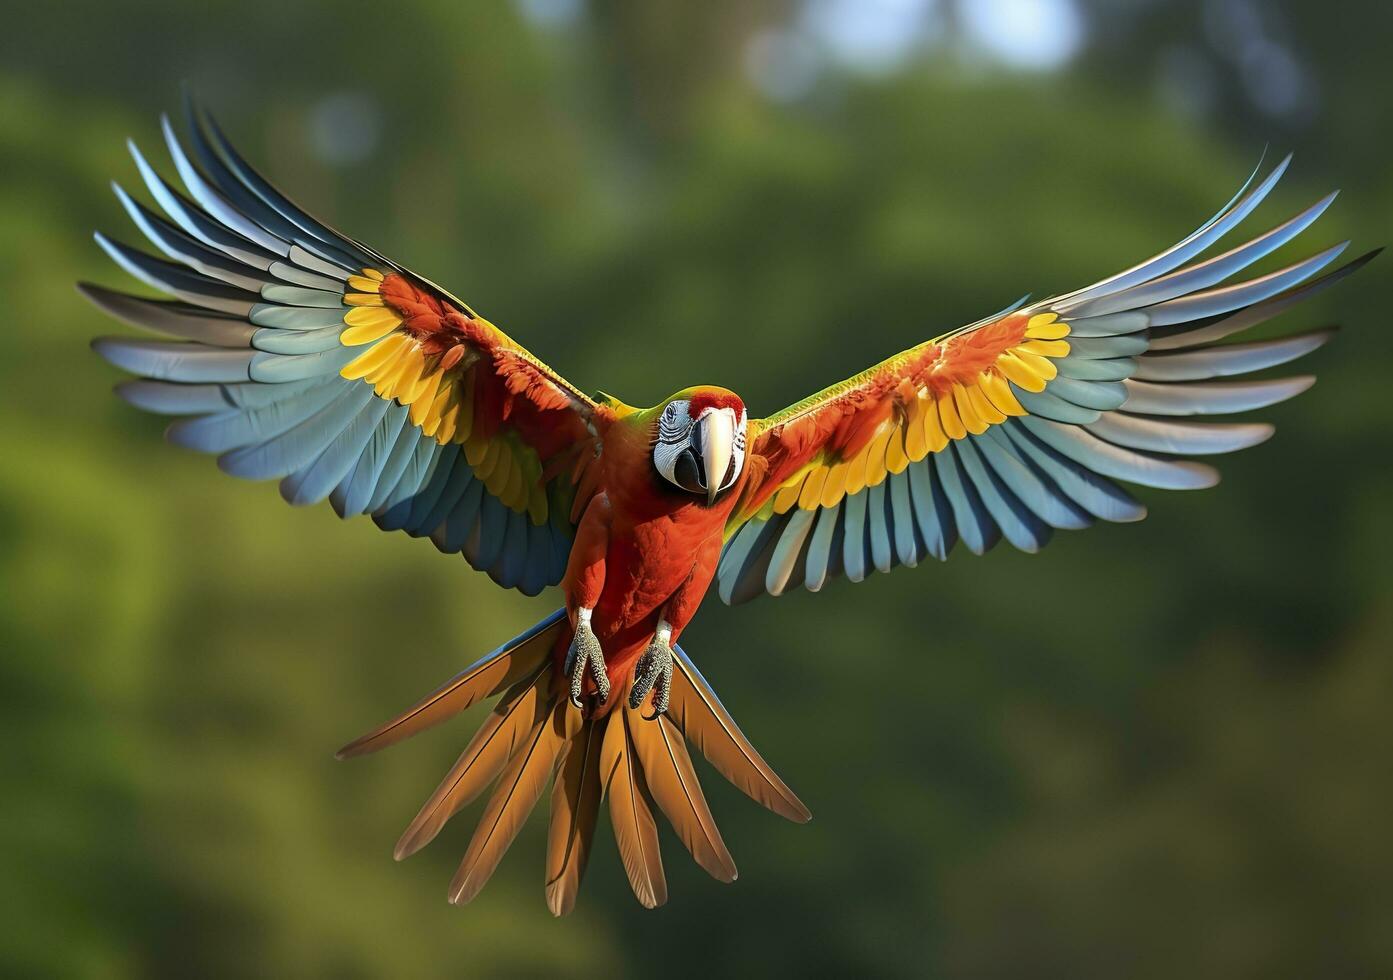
[667,769]
[518,712]
[484,678]
[575,809]
[534,731]
[519,788]
[706,723]
[635,830]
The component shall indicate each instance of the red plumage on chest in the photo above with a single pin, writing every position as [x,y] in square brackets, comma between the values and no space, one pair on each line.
[643,551]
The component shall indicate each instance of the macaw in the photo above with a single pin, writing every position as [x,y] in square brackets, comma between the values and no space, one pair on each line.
[310,358]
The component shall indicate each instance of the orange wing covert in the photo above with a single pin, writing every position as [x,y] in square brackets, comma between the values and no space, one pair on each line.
[902,410]
[464,382]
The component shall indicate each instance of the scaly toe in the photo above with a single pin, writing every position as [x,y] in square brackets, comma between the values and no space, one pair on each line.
[662,690]
[653,673]
[600,676]
[585,654]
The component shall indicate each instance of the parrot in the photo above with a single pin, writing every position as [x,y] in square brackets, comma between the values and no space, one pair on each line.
[296,353]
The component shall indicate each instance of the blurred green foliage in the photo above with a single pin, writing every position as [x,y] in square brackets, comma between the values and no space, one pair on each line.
[1154,751]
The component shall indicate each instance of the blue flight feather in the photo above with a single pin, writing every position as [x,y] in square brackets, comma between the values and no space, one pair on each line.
[820,547]
[1229,298]
[1230,359]
[162,360]
[931,510]
[1205,274]
[315,482]
[279,368]
[185,248]
[1211,397]
[1100,497]
[1105,369]
[1031,488]
[233,429]
[882,555]
[295,317]
[1188,248]
[1121,464]
[1098,396]
[193,220]
[1050,406]
[297,341]
[1179,438]
[902,512]
[213,202]
[463,517]
[1017,523]
[493,527]
[298,446]
[854,546]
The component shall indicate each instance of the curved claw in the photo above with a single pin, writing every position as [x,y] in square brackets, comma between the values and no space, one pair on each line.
[585,654]
[653,672]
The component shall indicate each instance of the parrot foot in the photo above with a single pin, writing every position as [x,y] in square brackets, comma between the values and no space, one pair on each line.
[654,672]
[585,654]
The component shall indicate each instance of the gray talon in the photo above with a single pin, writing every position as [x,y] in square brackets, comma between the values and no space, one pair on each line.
[653,672]
[585,653]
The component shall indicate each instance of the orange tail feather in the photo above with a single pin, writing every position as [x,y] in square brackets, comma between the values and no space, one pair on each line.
[496,742]
[484,678]
[534,732]
[575,809]
[667,769]
[629,811]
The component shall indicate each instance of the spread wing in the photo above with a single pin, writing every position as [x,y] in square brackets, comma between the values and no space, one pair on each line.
[1022,423]
[306,357]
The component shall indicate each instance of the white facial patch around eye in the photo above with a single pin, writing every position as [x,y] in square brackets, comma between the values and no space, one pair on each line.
[665,459]
[674,425]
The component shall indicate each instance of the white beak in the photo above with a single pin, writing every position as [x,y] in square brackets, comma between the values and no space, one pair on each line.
[717,447]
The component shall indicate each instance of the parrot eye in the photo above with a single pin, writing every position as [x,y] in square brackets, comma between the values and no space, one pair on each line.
[673,424]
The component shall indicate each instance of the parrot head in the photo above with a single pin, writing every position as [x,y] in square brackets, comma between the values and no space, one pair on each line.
[700,443]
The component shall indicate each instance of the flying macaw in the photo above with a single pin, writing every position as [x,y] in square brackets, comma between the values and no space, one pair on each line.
[307,357]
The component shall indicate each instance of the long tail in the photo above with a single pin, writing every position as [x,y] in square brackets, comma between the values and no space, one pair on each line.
[534,731]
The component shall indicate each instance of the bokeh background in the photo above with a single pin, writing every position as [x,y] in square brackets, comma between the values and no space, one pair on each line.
[1153,751]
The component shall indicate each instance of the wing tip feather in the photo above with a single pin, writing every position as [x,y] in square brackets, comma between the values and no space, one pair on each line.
[1298,384]
[111,349]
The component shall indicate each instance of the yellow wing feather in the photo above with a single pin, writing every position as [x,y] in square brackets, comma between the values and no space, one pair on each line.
[436,380]
[936,401]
